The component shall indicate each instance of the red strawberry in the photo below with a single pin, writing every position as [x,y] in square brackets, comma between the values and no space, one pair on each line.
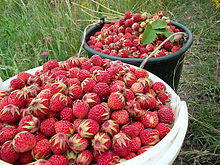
[47,126]
[128,15]
[149,137]
[80,109]
[88,84]
[58,160]
[137,88]
[73,81]
[164,97]
[45,94]
[23,76]
[143,149]
[71,156]
[7,133]
[4,94]
[16,83]
[50,65]
[141,73]
[95,69]
[24,141]
[130,156]
[146,82]
[91,99]
[121,144]
[136,17]
[57,87]
[41,162]
[41,150]
[130,130]
[32,90]
[128,94]
[86,65]
[5,101]
[73,62]
[26,157]
[74,72]
[138,125]
[77,123]
[65,127]
[29,123]
[110,127]
[102,89]
[34,80]
[108,158]
[146,101]
[102,76]
[58,102]
[84,158]
[136,144]
[77,143]
[88,128]
[116,101]
[159,87]
[67,114]
[120,116]
[18,98]
[133,108]
[99,113]
[83,74]
[75,92]
[58,143]
[101,142]
[166,115]
[163,129]
[8,152]
[129,79]
[96,60]
[150,119]
[9,114]
[39,136]
[39,107]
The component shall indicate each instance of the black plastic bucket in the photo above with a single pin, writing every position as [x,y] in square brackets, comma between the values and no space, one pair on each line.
[167,67]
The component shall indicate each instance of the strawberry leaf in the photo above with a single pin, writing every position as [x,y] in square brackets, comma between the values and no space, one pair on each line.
[159,24]
[149,35]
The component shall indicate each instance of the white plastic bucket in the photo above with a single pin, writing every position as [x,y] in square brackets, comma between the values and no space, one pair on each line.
[166,151]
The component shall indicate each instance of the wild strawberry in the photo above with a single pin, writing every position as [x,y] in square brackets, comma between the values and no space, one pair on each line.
[18,98]
[85,157]
[159,87]
[58,143]
[9,114]
[61,78]
[166,115]
[86,65]
[150,119]
[45,94]
[164,97]
[47,126]
[102,89]
[137,87]
[133,107]
[83,74]
[121,144]
[26,157]
[102,76]
[101,142]
[130,130]
[98,49]
[88,84]
[128,30]
[67,114]
[123,53]
[58,160]
[24,141]
[88,128]
[50,65]
[146,82]
[129,79]
[129,22]
[163,129]
[48,77]
[91,99]
[146,101]
[78,143]
[136,54]
[149,137]
[108,40]
[120,116]
[5,101]
[99,45]
[99,113]
[23,76]
[65,127]
[39,136]
[141,73]
[8,152]
[175,49]
[168,45]
[95,69]
[80,109]
[108,158]
[53,114]
[71,156]
[75,92]
[39,107]
[4,94]
[116,101]
[58,102]
[29,123]
[34,79]
[74,72]
[143,149]
[106,63]
[128,15]
[150,47]
[16,83]
[32,90]
[135,27]
[136,17]
[136,144]
[117,87]
[7,133]
[41,161]
[121,21]
[41,150]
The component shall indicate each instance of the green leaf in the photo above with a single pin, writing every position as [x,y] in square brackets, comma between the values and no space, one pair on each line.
[148,16]
[159,24]
[149,35]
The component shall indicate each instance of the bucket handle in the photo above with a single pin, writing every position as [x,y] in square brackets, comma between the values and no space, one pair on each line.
[155,50]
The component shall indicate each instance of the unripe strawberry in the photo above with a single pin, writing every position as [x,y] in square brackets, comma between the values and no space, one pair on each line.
[149,137]
[88,128]
[58,143]
[137,88]
[144,16]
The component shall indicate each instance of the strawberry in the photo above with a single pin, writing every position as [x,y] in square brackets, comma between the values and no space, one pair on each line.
[65,127]
[149,137]
[58,102]
[77,123]
[83,74]
[88,128]
[146,101]
[130,130]
[99,113]
[67,114]
[102,89]
[26,157]
[110,127]
[146,82]
[5,101]
[150,119]
[45,94]
[128,15]
[87,65]
[58,143]
[29,123]
[80,109]
[8,152]
[121,144]
[71,156]
[128,94]
[120,116]
[4,94]
[137,88]
[141,73]
[47,127]
[138,125]
[101,142]
[108,158]
[50,65]
[9,114]
[96,60]
[116,101]
[159,87]
[41,150]
[136,17]
[91,99]
[39,107]
[133,107]
[41,162]
[7,133]
[24,76]
[16,83]
[32,90]
[39,136]
[58,160]
[166,116]
[73,62]
[24,141]
[73,72]
[78,143]
[143,149]
[18,98]
[75,91]
[136,144]
[23,112]
[73,81]
[88,84]
[163,129]
[95,69]
[102,76]
[84,158]
[164,97]
[129,79]
[57,87]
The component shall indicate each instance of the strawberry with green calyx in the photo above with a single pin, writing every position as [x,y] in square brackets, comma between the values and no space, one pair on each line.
[108,158]
[101,142]
[65,127]
[29,123]
[58,143]
[149,137]
[78,143]
[10,114]
[110,127]
[88,128]
[116,101]
[57,159]
[41,150]
[91,99]
[58,102]
[84,157]
[39,107]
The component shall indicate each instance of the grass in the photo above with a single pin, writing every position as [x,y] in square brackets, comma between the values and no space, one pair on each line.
[24,25]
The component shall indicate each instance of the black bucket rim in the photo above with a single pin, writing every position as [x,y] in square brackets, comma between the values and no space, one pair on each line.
[169,57]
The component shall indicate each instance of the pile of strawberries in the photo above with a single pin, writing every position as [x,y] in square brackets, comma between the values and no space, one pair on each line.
[82,111]
[123,38]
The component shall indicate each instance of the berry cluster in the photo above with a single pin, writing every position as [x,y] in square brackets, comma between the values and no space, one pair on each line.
[123,38]
[82,111]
